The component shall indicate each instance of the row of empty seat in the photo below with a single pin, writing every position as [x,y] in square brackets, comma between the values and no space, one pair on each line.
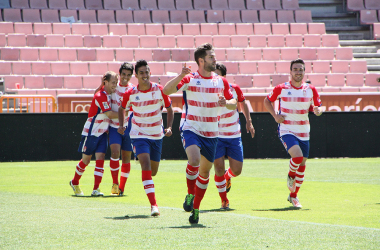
[163,29]
[156,16]
[151,4]
[369,16]
[355,5]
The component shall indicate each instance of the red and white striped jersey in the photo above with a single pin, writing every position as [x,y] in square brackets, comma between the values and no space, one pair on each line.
[294,103]
[115,99]
[147,111]
[97,122]
[229,123]
[201,110]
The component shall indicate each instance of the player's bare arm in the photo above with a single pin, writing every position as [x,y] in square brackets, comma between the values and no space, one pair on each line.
[171,85]
[317,111]
[111,114]
[269,106]
[121,115]
[169,121]
[248,125]
[229,104]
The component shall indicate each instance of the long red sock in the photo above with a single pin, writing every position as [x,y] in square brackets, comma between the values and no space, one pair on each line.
[114,166]
[149,186]
[124,174]
[300,174]
[98,173]
[228,174]
[191,178]
[293,165]
[220,183]
[78,172]
[200,190]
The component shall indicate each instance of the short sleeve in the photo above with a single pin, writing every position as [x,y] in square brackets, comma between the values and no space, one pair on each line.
[275,93]
[167,100]
[125,98]
[239,93]
[227,91]
[316,99]
[182,85]
[102,101]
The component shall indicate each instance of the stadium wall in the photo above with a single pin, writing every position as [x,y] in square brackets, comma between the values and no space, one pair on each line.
[52,137]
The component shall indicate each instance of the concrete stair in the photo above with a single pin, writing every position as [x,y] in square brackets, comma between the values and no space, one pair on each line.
[365,50]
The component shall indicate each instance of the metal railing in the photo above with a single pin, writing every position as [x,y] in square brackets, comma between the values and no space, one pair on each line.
[28,104]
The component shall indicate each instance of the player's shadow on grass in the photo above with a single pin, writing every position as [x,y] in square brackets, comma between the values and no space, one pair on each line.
[217,210]
[99,197]
[189,226]
[129,217]
[280,209]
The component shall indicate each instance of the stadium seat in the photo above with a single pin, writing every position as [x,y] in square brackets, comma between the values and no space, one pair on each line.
[340,66]
[185,41]
[316,28]
[111,41]
[38,4]
[233,67]
[239,41]
[130,4]
[93,4]
[267,67]
[376,31]
[160,16]
[75,4]
[173,67]
[344,53]
[372,4]
[92,41]
[325,53]
[166,4]
[201,5]
[5,68]
[80,29]
[244,29]
[303,16]
[117,29]
[91,82]
[372,79]
[267,16]
[234,54]
[79,68]
[106,16]
[148,5]
[136,29]
[86,54]
[34,40]
[72,82]
[23,28]
[196,16]
[124,55]
[354,79]
[31,15]
[226,29]
[249,16]
[219,4]
[258,41]
[3,40]
[172,29]
[73,41]
[69,14]
[330,40]
[272,4]
[20,4]
[141,16]
[261,81]
[312,40]
[280,28]
[283,67]
[243,81]
[262,29]
[87,16]
[124,16]
[232,16]
[215,16]
[317,80]
[16,40]
[12,15]
[4,4]
[201,39]
[156,68]
[180,55]
[293,41]
[184,4]
[34,82]
[271,54]
[105,55]
[6,27]
[178,16]
[358,66]
[167,41]
[321,67]
[308,53]
[42,28]
[161,55]
[67,54]
[298,28]
[97,67]
[355,5]
[112,4]
[368,16]
[147,41]
[290,4]
[154,29]
[221,41]
[50,16]
[255,5]
[279,78]
[246,67]
[130,41]
[11,80]
[336,80]
[220,54]
[143,53]
[60,68]
[48,54]
[55,40]
[41,68]
[289,53]
[276,41]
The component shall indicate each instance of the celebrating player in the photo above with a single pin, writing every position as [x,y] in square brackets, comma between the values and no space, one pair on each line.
[146,125]
[295,98]
[204,93]
[94,136]
[229,141]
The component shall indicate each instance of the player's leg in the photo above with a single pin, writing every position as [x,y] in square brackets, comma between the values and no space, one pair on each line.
[100,154]
[219,168]
[234,151]
[155,155]
[125,169]
[115,140]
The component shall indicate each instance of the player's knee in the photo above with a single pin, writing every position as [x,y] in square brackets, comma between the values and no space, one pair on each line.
[194,161]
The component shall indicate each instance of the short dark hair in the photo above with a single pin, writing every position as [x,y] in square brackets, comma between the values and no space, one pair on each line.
[299,60]
[140,63]
[126,66]
[200,51]
[222,68]
[107,76]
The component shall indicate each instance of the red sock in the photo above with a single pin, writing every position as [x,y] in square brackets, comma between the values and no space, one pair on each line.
[149,186]
[98,173]
[228,174]
[293,165]
[200,190]
[114,166]
[220,183]
[299,180]
[191,178]
[125,169]
[78,172]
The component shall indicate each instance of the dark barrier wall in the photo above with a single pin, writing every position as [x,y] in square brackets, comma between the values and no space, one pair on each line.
[48,137]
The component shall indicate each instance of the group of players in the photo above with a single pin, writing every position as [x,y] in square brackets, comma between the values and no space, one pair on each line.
[132,116]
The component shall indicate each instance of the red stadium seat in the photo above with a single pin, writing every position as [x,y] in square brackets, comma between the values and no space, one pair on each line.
[258,41]
[312,40]
[12,15]
[290,4]
[355,5]
[117,29]
[376,31]
[161,55]
[73,41]
[34,40]
[278,79]
[303,16]
[191,29]
[111,41]
[154,29]
[220,54]
[80,28]
[60,68]
[226,29]
[262,29]
[124,55]
[112,4]
[94,4]
[91,82]
[167,41]
[201,5]
[368,16]
[196,16]
[267,67]
[255,5]
[143,54]
[219,4]
[247,67]
[243,81]
[221,41]
[16,40]
[41,68]
[166,5]
[325,53]
[339,67]
[50,16]
[234,54]
[105,55]
[344,53]
[215,16]
[141,16]
[289,54]
[261,81]
[21,4]
[336,80]
[31,15]
[75,4]
[38,4]
[249,16]
[53,82]
[280,28]
[271,54]
[130,4]
[67,54]
[69,13]
[239,41]
[106,16]
[285,16]
[236,4]
[232,16]
[48,54]
[283,67]
[79,68]
[317,28]
[173,67]
[156,68]
[87,16]
[11,81]
[43,28]
[173,29]
[308,53]
[148,5]
[86,54]
[201,39]
[72,82]
[6,27]
[293,41]
[321,66]
[372,79]
[160,16]
[267,16]
[272,4]
[330,40]
[244,29]
[180,55]
[298,28]
[359,66]
[233,67]
[96,67]
[5,68]
[130,41]
[124,16]
[185,41]
[61,28]
[92,41]
[276,41]
[55,40]
[355,79]
[23,28]
[3,40]
[372,4]
[34,82]
[317,80]
[178,16]
[148,41]
[184,4]
[136,29]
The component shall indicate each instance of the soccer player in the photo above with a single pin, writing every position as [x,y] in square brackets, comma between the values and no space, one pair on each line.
[229,141]
[146,126]
[295,98]
[204,94]
[94,136]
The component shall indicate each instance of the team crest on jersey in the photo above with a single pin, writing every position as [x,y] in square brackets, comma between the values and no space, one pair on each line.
[137,98]
[214,82]
[304,92]
[270,95]
[153,95]
[198,83]
[289,93]
[105,105]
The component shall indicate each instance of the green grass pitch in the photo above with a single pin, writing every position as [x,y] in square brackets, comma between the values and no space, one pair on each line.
[340,198]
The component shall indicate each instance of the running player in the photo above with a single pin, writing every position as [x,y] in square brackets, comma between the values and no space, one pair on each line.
[94,136]
[295,98]
[145,126]
[204,93]
[229,141]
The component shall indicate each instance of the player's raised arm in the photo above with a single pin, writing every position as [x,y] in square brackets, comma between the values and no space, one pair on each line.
[248,125]
[171,85]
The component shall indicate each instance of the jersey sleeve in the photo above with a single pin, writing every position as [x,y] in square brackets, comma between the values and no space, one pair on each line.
[240,95]
[167,100]
[182,85]
[227,91]
[275,93]
[125,99]
[102,102]
[316,99]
